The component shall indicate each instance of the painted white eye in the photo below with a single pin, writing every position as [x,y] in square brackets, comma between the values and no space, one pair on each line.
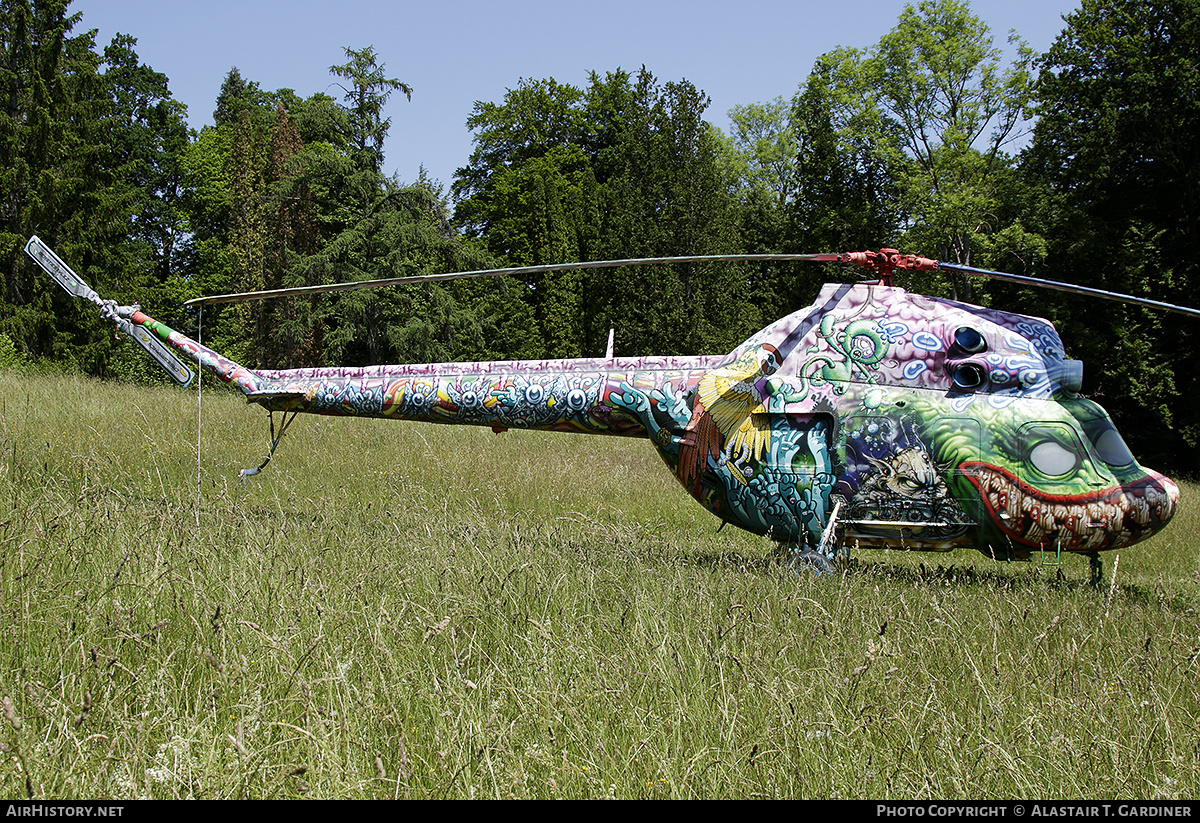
[1051,459]
[1112,449]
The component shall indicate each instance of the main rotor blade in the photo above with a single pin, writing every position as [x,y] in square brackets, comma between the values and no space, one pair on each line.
[1070,287]
[428,278]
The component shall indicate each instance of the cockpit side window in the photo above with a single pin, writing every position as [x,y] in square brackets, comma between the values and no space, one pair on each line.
[1108,443]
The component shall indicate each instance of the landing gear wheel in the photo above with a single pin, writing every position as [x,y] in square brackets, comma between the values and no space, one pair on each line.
[812,560]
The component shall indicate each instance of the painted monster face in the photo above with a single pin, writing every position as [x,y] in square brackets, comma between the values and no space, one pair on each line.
[1070,484]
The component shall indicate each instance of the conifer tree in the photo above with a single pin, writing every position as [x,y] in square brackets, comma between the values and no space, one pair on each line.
[1113,177]
[87,151]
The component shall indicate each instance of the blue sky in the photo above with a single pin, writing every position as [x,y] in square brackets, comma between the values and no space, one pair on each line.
[455,53]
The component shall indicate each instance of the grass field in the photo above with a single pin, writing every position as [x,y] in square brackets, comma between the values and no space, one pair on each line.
[399,610]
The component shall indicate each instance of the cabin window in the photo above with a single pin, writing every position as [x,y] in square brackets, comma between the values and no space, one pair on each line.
[1052,459]
[803,441]
[1108,443]
[1052,449]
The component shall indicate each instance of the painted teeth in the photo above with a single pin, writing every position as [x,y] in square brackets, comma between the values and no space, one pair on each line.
[1041,520]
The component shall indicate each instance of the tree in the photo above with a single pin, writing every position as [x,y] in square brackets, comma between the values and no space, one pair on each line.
[369,226]
[147,134]
[535,118]
[239,96]
[666,194]
[88,146]
[941,111]
[1117,166]
[765,145]
[941,81]
[625,168]
[49,84]
[815,174]
[849,158]
[530,193]
[368,93]
[295,334]
[287,192]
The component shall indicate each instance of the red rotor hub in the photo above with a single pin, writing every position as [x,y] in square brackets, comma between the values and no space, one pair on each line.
[885,262]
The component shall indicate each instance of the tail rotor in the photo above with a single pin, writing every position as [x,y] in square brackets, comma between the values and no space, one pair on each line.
[73,284]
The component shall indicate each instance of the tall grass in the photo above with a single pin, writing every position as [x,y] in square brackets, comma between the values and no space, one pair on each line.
[398,610]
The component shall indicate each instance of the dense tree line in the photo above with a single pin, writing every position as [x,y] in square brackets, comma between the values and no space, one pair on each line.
[625,168]
[1078,164]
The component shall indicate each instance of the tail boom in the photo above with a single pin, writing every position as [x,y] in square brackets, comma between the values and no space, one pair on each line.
[246,380]
[593,396]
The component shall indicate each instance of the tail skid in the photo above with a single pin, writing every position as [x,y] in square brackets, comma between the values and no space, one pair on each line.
[53,265]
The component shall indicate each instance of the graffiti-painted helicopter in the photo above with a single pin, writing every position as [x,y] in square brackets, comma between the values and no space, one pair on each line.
[874,417]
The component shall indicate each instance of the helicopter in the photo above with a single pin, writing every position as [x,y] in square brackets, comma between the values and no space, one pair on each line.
[873,418]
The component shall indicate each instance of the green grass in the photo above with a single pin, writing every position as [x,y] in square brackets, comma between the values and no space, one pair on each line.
[399,610]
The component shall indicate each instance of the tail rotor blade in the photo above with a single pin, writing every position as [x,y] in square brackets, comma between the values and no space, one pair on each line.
[63,274]
[159,353]
[66,277]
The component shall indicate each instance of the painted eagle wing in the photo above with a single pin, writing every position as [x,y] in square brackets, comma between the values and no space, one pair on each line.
[730,397]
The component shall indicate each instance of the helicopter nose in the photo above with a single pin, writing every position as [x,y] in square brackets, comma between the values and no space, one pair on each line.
[1149,505]
[1172,491]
